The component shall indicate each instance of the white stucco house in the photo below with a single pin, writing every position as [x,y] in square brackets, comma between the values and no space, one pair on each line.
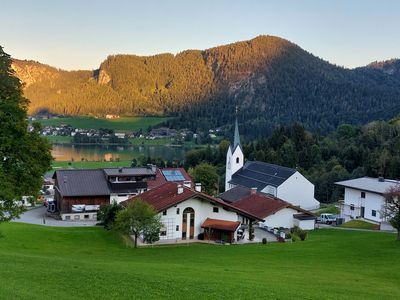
[277,181]
[186,213]
[363,198]
[275,212]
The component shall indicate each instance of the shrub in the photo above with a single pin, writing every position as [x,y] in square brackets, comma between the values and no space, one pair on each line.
[302,234]
[288,235]
[294,238]
[264,241]
[295,230]
[200,236]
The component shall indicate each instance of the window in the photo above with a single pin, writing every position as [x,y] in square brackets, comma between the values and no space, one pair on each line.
[67,217]
[76,217]
[177,228]
[351,206]
[373,213]
[363,195]
[164,213]
[177,211]
[237,160]
[215,209]
[163,232]
[86,216]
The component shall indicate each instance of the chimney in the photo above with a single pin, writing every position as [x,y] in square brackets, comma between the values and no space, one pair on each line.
[253,191]
[381,179]
[180,189]
[197,187]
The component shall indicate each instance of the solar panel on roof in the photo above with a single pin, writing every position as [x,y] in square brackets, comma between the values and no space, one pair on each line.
[173,175]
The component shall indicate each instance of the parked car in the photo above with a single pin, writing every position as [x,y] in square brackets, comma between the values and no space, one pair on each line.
[327,219]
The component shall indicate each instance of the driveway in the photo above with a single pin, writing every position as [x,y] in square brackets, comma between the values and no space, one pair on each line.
[38,216]
[259,234]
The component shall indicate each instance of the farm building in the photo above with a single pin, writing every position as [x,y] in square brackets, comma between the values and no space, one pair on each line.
[79,193]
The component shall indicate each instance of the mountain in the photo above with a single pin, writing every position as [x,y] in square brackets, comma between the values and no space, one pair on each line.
[272,80]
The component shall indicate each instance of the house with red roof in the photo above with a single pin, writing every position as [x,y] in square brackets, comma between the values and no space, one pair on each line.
[275,212]
[189,214]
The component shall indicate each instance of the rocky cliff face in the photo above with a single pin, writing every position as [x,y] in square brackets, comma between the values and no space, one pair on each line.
[30,72]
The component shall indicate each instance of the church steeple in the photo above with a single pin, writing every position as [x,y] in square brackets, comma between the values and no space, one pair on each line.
[234,156]
[236,138]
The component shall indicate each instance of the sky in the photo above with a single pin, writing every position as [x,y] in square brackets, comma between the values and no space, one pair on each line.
[80,34]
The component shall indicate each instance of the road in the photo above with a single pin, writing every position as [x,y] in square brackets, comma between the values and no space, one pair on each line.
[38,216]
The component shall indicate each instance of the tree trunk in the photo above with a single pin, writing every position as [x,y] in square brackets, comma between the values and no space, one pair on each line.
[135,240]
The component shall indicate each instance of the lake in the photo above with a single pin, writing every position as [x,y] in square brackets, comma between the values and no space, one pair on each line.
[68,152]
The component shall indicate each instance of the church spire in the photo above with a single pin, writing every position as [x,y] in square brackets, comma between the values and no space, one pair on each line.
[236,139]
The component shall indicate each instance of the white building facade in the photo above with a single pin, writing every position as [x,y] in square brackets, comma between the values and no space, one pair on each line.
[364,199]
[184,220]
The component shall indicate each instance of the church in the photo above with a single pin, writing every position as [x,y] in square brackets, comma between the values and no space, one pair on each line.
[279,182]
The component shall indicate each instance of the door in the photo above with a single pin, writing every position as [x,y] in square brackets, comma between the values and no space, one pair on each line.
[362,211]
[188,223]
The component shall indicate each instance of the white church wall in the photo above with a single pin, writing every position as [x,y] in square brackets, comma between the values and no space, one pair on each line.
[234,161]
[298,191]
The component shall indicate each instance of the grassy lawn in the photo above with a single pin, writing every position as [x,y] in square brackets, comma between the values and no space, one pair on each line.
[89,164]
[57,139]
[90,263]
[147,142]
[359,224]
[331,209]
[121,124]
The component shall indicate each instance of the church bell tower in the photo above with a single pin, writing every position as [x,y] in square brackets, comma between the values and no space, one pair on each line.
[234,156]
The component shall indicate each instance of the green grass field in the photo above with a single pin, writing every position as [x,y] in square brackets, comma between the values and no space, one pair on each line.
[57,139]
[121,124]
[331,209]
[89,164]
[359,224]
[90,263]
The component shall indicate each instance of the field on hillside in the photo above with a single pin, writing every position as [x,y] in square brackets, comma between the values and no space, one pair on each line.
[121,124]
[89,164]
[89,263]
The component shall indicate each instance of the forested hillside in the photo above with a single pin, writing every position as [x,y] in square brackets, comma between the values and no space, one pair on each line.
[348,152]
[273,81]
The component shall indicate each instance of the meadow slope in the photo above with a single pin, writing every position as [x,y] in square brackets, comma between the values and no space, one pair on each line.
[89,263]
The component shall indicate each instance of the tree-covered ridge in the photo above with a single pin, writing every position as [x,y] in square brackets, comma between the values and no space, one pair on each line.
[272,80]
[349,152]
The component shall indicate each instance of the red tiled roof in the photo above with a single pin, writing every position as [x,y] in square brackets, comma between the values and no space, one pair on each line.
[261,206]
[220,224]
[151,184]
[160,179]
[166,195]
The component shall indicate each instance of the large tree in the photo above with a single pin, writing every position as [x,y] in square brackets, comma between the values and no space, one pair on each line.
[24,155]
[391,210]
[206,174]
[139,219]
